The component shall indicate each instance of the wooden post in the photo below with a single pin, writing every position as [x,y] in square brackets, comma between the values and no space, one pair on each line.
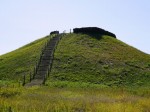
[38,62]
[34,70]
[24,80]
[50,67]
[33,76]
[42,49]
[34,73]
[9,109]
[30,77]
[44,79]
[48,70]
[40,57]
[36,67]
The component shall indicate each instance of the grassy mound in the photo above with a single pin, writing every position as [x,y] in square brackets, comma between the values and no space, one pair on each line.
[90,59]
[108,61]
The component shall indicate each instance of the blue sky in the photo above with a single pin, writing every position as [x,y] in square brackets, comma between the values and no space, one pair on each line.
[23,21]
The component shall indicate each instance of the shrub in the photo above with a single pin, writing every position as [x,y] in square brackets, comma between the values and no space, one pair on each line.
[93,30]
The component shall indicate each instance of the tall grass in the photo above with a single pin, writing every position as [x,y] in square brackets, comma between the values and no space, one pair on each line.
[74,99]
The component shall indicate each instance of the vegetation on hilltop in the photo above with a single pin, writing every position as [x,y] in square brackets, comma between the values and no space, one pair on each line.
[93,30]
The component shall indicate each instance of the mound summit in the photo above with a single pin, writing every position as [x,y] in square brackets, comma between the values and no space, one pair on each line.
[93,31]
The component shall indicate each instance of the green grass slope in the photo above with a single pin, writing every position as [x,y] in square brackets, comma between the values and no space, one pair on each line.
[15,64]
[108,61]
[82,58]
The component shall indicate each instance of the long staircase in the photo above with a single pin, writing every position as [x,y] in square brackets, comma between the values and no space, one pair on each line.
[45,63]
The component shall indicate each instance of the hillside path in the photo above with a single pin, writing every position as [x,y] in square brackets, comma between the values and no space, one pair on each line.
[45,63]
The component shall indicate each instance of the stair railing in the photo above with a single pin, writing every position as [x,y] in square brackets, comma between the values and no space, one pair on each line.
[32,74]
